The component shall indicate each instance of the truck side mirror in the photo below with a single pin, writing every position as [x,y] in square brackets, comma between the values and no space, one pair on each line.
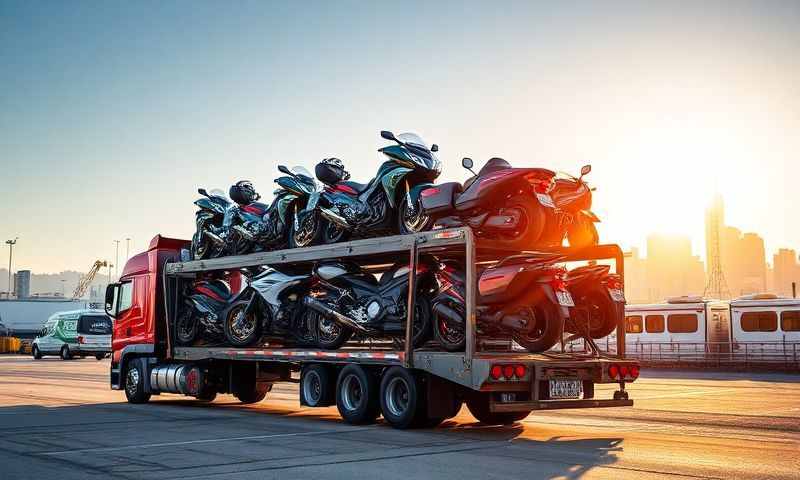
[111,294]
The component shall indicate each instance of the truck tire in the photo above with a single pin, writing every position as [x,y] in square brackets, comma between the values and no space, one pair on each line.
[317,386]
[37,355]
[65,354]
[252,395]
[403,399]
[100,356]
[478,405]
[207,394]
[134,382]
[357,395]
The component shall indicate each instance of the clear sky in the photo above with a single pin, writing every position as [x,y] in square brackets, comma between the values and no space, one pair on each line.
[113,113]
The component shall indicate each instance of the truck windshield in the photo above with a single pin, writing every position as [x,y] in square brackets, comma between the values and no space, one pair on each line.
[94,325]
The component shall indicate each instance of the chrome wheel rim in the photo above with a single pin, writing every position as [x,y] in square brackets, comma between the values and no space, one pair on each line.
[328,329]
[241,324]
[352,393]
[312,387]
[305,233]
[132,382]
[413,218]
[397,396]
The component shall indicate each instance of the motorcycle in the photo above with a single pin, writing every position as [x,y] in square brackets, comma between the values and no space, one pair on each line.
[204,304]
[270,305]
[271,227]
[513,207]
[348,300]
[389,203]
[523,297]
[209,219]
[599,301]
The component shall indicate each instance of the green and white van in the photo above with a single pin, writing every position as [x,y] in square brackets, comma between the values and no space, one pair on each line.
[75,333]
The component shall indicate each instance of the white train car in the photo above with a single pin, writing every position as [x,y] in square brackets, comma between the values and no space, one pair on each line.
[765,319]
[679,320]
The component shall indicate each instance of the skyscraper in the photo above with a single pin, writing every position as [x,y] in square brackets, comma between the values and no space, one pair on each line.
[785,271]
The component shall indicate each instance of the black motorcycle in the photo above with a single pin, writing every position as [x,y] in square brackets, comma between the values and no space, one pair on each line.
[271,306]
[210,216]
[523,297]
[349,300]
[389,203]
[200,317]
[599,301]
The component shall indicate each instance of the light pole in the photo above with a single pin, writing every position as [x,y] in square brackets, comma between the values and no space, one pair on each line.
[109,272]
[127,249]
[116,260]
[10,244]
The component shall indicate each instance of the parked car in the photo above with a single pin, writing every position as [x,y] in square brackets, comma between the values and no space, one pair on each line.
[75,333]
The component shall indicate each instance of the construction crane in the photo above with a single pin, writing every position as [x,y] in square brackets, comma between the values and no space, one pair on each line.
[86,280]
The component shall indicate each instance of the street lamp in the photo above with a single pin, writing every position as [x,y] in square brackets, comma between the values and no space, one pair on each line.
[116,260]
[10,244]
[127,249]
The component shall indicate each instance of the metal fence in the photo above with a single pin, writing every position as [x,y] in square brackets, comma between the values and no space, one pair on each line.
[745,354]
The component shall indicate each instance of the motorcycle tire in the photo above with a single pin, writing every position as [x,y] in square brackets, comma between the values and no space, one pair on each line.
[201,248]
[415,224]
[602,311]
[315,237]
[241,335]
[422,322]
[333,233]
[185,328]
[452,338]
[533,222]
[582,234]
[330,335]
[544,336]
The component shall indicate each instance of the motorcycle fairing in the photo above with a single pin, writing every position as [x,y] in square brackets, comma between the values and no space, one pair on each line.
[218,206]
[391,180]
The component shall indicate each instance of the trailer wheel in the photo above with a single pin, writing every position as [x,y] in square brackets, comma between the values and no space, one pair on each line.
[134,382]
[317,388]
[403,401]
[478,405]
[252,395]
[357,395]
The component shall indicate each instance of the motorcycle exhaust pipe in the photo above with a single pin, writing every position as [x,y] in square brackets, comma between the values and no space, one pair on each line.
[244,232]
[332,314]
[214,237]
[334,217]
[448,313]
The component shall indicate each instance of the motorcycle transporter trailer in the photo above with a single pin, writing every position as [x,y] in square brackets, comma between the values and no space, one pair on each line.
[409,387]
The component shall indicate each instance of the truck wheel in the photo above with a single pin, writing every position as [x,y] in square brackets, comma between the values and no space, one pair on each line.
[65,355]
[317,388]
[357,395]
[37,355]
[478,405]
[252,395]
[100,356]
[134,382]
[207,394]
[403,399]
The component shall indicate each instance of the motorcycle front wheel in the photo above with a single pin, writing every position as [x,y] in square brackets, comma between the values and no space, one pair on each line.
[308,233]
[411,218]
[330,334]
[546,328]
[241,328]
[448,332]
[201,247]
[334,233]
[596,314]
[185,328]
[582,233]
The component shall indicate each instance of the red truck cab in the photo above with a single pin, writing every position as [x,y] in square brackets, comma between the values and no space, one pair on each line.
[136,303]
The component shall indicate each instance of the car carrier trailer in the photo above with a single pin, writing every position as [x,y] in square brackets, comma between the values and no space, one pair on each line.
[409,387]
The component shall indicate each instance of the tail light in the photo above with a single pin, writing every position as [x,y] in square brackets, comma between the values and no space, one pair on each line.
[508,371]
[429,192]
[623,372]
[81,339]
[559,281]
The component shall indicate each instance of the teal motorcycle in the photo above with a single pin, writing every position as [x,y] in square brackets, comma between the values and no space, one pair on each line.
[387,204]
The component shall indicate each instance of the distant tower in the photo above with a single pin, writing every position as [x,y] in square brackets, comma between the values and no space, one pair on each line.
[716,286]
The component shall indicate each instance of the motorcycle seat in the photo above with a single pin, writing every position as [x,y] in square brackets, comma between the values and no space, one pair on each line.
[358,187]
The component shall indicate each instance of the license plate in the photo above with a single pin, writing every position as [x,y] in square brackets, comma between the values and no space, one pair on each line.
[564,298]
[546,200]
[566,388]
[616,294]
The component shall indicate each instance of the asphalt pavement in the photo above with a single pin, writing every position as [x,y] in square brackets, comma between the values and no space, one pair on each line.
[59,420]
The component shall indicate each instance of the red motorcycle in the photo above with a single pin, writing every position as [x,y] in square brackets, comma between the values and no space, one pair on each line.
[516,208]
[523,297]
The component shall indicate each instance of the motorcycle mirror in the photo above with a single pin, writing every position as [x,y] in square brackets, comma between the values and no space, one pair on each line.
[466,162]
[283,169]
[202,191]
[388,135]
[434,148]
[585,170]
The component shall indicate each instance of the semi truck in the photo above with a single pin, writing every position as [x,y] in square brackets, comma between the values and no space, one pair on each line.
[410,387]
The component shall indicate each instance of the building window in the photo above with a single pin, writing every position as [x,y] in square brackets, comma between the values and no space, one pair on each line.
[759,321]
[790,321]
[633,324]
[654,323]
[682,323]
